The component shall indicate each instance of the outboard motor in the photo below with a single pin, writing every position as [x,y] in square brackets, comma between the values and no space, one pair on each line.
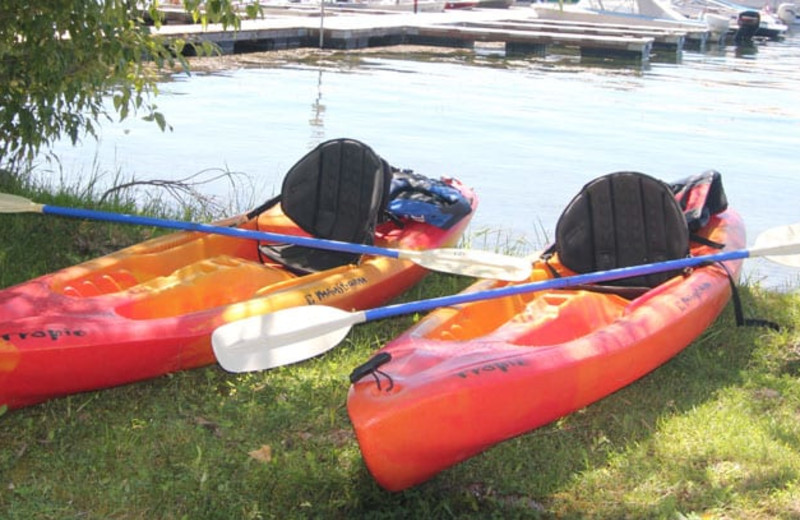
[748,21]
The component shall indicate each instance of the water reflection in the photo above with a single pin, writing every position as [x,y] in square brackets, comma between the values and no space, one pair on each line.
[317,121]
[746,50]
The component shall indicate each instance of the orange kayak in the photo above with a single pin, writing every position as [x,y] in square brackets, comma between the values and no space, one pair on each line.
[150,309]
[522,361]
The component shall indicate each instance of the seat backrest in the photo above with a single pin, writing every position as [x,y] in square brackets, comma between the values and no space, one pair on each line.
[620,220]
[337,191]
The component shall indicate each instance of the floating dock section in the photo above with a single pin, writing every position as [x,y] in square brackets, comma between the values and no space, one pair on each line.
[520,28]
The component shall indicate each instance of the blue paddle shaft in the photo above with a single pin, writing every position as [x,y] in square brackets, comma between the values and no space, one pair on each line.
[555,283]
[318,243]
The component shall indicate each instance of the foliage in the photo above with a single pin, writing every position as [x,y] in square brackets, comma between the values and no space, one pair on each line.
[60,60]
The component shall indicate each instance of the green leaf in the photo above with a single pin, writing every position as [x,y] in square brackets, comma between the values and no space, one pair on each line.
[160,121]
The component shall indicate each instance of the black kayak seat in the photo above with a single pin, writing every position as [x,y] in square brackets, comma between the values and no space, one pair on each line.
[622,219]
[337,191]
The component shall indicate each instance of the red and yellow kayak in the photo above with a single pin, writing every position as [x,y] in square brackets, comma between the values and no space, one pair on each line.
[150,309]
[520,362]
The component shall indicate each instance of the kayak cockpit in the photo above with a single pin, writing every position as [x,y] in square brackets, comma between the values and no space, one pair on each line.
[541,319]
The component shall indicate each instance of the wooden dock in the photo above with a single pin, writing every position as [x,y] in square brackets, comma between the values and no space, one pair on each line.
[534,42]
[520,28]
[663,38]
[697,36]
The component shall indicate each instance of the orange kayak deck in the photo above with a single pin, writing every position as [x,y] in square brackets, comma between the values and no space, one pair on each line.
[523,361]
[150,309]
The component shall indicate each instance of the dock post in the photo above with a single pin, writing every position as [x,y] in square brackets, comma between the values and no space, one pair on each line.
[321,23]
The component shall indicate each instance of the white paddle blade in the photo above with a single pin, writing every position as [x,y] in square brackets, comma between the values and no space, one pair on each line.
[780,245]
[471,262]
[16,204]
[282,337]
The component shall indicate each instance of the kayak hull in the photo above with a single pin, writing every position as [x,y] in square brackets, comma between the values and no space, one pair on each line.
[470,376]
[150,309]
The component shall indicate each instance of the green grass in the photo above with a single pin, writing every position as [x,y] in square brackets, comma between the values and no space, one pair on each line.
[32,244]
[714,433]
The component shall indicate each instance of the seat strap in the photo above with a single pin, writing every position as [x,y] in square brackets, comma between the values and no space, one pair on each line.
[738,311]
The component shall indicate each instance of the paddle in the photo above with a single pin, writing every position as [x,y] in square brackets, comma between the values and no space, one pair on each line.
[467,262]
[298,333]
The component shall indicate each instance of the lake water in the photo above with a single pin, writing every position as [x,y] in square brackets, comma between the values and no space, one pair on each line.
[525,133]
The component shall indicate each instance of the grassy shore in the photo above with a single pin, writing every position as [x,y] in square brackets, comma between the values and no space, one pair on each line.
[714,433]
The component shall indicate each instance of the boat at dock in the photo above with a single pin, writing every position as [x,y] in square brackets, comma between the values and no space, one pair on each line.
[641,14]
[789,13]
[739,16]
[720,17]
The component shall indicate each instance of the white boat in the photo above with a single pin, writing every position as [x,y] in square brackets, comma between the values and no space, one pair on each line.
[789,13]
[651,13]
[718,16]
[769,26]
